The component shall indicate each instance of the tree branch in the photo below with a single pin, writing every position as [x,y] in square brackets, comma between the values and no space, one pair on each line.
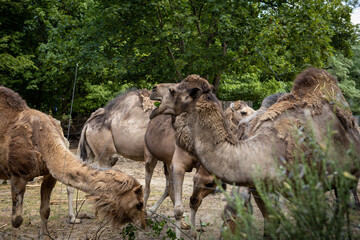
[173,58]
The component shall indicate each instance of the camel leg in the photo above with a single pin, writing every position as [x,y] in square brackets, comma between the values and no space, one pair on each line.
[70,194]
[46,188]
[106,158]
[193,212]
[178,172]
[18,185]
[356,198]
[260,203]
[150,163]
[165,193]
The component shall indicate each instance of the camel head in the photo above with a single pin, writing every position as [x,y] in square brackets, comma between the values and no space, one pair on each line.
[134,202]
[238,111]
[204,184]
[176,98]
[121,210]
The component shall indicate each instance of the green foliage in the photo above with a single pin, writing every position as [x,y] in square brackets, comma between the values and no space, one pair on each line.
[137,44]
[348,73]
[249,87]
[158,230]
[298,198]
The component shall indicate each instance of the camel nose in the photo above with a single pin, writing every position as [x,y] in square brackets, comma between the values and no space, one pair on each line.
[154,88]
[193,200]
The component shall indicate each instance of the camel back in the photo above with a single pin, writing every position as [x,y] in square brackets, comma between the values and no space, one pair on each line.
[311,89]
[102,116]
[143,94]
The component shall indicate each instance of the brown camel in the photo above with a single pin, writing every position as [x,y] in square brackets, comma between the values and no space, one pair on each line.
[32,144]
[314,100]
[123,127]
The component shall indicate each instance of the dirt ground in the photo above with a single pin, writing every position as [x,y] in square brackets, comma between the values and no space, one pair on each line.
[208,216]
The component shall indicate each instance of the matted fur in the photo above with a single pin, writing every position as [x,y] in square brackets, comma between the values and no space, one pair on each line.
[183,134]
[213,119]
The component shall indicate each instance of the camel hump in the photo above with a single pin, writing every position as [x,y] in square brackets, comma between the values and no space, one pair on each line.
[13,98]
[146,103]
[99,112]
[313,81]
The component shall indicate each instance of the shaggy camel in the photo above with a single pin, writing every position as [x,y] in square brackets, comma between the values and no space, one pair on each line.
[32,144]
[122,127]
[315,98]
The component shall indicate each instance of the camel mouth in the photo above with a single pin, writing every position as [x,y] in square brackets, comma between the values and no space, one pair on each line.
[154,113]
[157,103]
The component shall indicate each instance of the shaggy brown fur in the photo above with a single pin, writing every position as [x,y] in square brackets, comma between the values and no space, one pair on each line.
[183,134]
[211,118]
[33,145]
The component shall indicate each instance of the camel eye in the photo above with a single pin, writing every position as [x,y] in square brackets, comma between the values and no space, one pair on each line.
[209,185]
[243,113]
[139,206]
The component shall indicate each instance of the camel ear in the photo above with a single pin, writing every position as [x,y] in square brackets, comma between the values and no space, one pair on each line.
[206,88]
[193,92]
[138,189]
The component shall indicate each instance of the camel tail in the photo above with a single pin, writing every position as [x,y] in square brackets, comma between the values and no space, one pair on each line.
[84,149]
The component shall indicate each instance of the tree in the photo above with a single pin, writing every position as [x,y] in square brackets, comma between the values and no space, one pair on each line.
[246,49]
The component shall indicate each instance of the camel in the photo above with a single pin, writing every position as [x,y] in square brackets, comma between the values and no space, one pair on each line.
[123,127]
[205,183]
[159,144]
[314,100]
[32,144]
[236,112]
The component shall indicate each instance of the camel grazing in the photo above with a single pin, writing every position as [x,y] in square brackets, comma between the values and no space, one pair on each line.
[315,99]
[123,127]
[32,144]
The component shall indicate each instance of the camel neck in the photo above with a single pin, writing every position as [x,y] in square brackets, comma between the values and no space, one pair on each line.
[231,161]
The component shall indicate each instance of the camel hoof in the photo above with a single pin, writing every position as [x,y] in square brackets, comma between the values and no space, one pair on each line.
[85,215]
[17,221]
[185,225]
[74,220]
